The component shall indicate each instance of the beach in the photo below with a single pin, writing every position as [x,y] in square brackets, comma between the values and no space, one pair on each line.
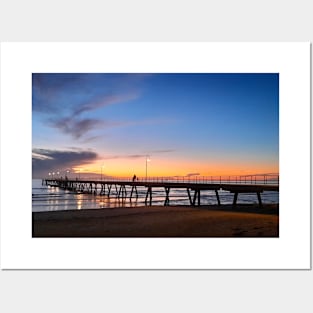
[160,221]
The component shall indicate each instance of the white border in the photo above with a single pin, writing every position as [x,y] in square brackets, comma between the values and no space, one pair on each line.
[290,251]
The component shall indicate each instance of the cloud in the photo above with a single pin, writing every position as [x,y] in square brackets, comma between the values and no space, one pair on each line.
[70,103]
[104,101]
[192,174]
[135,156]
[91,139]
[63,100]
[81,127]
[45,160]
[49,91]
[76,127]
[126,156]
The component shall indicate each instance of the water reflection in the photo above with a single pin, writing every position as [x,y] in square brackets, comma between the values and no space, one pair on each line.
[79,201]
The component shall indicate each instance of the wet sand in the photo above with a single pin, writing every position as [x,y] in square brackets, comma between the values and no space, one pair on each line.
[160,221]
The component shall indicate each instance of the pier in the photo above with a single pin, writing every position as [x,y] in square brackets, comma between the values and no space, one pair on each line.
[240,185]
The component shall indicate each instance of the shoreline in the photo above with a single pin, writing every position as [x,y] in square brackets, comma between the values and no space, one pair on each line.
[160,221]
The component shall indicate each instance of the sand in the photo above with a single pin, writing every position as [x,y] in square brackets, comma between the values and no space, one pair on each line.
[160,221]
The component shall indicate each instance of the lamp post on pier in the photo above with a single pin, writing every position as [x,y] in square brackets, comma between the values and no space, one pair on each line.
[147,160]
[101,170]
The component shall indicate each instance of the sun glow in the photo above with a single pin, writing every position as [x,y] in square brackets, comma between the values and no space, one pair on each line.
[162,167]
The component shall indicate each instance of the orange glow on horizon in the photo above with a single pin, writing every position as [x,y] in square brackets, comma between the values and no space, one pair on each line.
[165,168]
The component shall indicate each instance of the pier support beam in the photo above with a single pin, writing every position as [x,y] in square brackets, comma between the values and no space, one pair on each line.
[119,192]
[131,193]
[189,196]
[217,197]
[149,193]
[258,194]
[260,200]
[199,197]
[167,199]
[123,191]
[102,191]
[235,198]
[195,196]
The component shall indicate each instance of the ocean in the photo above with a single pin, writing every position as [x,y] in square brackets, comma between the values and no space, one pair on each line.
[47,198]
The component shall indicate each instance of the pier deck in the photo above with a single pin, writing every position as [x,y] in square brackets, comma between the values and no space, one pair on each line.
[104,187]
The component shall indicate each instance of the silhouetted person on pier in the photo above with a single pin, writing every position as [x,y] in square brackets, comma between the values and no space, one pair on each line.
[134,178]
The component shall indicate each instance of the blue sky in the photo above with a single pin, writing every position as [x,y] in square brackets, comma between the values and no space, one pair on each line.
[206,123]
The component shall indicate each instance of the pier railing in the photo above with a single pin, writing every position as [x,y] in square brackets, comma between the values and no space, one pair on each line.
[256,179]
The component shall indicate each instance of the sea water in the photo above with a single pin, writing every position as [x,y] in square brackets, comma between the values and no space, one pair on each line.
[47,198]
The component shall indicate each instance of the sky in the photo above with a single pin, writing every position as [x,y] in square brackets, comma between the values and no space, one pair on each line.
[184,124]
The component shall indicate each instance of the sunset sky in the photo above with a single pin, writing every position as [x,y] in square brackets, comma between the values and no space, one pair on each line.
[206,124]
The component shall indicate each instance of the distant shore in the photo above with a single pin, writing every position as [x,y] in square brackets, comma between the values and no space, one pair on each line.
[160,221]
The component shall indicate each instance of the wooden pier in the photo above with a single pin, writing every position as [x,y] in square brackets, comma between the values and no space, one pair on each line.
[193,189]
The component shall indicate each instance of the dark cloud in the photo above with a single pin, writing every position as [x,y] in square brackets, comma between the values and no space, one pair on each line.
[45,160]
[81,127]
[192,174]
[63,99]
[70,103]
[48,91]
[91,139]
[135,156]
[74,126]
[126,156]
[103,101]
